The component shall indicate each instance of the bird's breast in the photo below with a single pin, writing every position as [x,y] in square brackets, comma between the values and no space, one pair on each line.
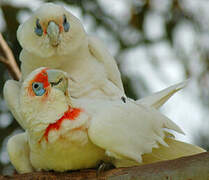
[65,145]
[70,115]
[63,155]
[72,126]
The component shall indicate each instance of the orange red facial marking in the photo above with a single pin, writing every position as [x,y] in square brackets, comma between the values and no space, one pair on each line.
[60,21]
[45,31]
[41,77]
[70,114]
[61,28]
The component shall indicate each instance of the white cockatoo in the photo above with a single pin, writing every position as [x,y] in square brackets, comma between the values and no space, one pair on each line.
[155,100]
[63,133]
[54,38]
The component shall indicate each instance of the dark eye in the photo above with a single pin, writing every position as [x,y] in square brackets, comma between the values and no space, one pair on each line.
[66,24]
[38,88]
[38,29]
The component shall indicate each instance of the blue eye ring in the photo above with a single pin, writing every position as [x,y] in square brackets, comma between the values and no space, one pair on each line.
[66,24]
[38,29]
[38,88]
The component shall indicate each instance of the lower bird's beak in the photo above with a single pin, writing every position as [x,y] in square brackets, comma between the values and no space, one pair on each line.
[53,33]
[58,79]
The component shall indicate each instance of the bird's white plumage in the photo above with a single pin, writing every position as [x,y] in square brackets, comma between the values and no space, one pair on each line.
[40,112]
[19,153]
[157,99]
[11,94]
[111,130]
[139,129]
[40,45]
[99,51]
[106,127]
[94,72]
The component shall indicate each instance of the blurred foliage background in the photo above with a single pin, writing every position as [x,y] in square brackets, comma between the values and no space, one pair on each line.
[156,43]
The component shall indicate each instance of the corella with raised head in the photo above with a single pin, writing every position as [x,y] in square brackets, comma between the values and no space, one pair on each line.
[62,133]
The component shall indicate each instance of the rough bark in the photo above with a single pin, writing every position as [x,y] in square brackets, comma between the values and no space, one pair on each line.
[194,167]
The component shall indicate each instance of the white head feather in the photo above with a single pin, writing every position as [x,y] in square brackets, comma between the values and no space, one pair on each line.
[40,44]
[39,111]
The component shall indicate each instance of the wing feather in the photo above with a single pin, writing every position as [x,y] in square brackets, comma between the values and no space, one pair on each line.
[129,130]
[100,53]
[156,100]
[11,95]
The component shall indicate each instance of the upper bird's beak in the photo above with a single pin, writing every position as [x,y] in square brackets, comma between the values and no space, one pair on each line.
[58,80]
[53,33]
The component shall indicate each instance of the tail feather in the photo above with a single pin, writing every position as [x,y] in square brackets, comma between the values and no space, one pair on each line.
[175,149]
[173,126]
[158,99]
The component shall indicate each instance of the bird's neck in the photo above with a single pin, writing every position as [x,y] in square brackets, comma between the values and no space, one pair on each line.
[71,114]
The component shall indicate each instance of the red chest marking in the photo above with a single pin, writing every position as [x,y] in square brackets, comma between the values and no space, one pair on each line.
[70,114]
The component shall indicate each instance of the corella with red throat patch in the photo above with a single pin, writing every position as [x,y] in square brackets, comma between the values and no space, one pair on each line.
[63,133]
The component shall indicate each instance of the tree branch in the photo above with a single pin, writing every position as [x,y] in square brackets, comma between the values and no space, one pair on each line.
[194,167]
[8,59]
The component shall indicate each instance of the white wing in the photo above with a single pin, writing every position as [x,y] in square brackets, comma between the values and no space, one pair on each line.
[99,51]
[157,99]
[11,96]
[19,153]
[128,130]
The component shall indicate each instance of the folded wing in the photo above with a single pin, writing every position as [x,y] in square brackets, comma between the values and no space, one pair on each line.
[100,53]
[126,131]
[11,95]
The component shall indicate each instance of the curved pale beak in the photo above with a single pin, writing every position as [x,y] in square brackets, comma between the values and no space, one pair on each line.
[53,33]
[58,80]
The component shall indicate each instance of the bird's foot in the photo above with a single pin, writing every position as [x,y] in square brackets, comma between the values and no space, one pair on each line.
[104,166]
